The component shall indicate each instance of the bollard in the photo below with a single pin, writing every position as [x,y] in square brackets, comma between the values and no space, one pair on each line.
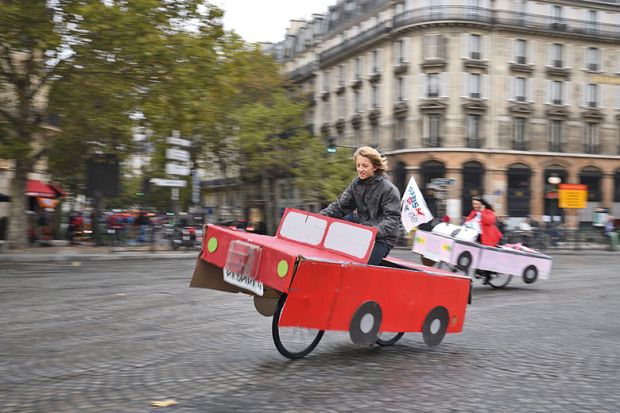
[613,241]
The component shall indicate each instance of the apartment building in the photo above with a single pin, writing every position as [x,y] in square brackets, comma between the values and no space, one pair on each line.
[505,97]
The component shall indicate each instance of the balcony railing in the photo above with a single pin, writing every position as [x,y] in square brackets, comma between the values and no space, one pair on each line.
[469,15]
[350,44]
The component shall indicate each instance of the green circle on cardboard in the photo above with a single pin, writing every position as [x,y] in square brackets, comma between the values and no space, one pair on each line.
[282,269]
[212,244]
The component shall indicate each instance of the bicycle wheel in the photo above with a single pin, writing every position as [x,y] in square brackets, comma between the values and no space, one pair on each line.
[293,342]
[388,339]
[496,280]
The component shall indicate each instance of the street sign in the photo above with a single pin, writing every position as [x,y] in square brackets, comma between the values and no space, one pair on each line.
[442,181]
[175,169]
[173,183]
[178,141]
[177,155]
[195,187]
[572,195]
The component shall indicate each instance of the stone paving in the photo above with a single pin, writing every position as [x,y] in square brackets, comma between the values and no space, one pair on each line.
[112,336]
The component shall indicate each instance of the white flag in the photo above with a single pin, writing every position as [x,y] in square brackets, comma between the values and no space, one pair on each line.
[414,210]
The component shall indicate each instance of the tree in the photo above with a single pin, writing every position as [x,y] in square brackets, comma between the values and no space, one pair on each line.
[108,53]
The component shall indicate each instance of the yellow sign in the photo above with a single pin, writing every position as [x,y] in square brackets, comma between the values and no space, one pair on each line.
[572,195]
[606,79]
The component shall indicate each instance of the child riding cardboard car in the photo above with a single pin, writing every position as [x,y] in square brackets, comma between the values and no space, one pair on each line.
[312,276]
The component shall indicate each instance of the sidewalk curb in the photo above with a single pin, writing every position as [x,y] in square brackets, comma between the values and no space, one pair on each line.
[37,258]
[583,251]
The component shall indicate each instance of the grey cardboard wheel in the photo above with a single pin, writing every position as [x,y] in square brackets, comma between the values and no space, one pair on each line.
[365,324]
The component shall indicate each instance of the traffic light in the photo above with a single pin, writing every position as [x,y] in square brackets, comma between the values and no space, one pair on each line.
[331,144]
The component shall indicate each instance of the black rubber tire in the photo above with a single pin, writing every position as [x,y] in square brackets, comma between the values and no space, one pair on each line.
[389,342]
[277,338]
[530,274]
[428,262]
[356,329]
[433,338]
[500,281]
[464,260]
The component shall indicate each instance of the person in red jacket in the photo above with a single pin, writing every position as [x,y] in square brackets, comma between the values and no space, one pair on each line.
[482,219]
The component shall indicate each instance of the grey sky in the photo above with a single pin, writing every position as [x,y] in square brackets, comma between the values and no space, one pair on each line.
[267,20]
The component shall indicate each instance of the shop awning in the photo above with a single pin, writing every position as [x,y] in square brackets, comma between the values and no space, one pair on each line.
[38,188]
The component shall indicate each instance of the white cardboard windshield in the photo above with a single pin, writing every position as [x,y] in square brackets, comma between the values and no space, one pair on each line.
[303,228]
[349,239]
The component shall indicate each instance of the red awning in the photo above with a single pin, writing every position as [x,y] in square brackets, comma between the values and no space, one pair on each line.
[56,187]
[38,188]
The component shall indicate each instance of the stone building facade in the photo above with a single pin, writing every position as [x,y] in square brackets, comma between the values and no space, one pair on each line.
[498,95]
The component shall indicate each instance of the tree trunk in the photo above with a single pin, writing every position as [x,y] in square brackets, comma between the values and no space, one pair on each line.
[269,209]
[18,223]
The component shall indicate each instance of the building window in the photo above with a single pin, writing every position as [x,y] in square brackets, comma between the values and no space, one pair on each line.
[557,18]
[557,92]
[375,134]
[557,55]
[473,9]
[590,144]
[475,47]
[341,75]
[473,131]
[593,59]
[555,136]
[591,23]
[326,81]
[358,67]
[401,134]
[401,88]
[375,61]
[326,112]
[617,186]
[342,106]
[521,51]
[474,86]
[520,89]
[399,52]
[432,85]
[357,101]
[519,141]
[431,133]
[434,47]
[374,97]
[592,95]
[592,176]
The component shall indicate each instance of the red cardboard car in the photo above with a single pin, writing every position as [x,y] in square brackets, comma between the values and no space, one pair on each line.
[312,277]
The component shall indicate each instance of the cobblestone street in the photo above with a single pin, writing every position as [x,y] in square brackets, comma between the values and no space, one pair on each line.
[112,336]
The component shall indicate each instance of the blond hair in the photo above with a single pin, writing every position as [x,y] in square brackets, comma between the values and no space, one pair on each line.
[373,156]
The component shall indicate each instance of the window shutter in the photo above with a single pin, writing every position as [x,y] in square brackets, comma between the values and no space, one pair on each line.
[511,94]
[406,51]
[396,53]
[529,89]
[484,87]
[465,85]
[406,85]
[444,84]
[422,85]
[465,45]
[442,42]
[565,93]
[549,94]
[584,98]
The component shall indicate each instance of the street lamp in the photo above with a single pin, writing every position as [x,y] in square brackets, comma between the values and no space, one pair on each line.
[554,180]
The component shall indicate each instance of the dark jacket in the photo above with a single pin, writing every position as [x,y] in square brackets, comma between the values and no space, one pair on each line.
[377,202]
